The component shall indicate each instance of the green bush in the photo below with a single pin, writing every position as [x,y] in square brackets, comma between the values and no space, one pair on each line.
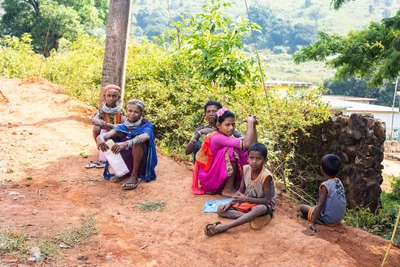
[383,222]
[17,57]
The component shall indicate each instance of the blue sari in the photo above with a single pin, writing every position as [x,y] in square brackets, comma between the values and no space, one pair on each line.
[150,155]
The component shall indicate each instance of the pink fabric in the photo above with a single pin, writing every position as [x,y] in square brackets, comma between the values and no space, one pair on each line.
[213,180]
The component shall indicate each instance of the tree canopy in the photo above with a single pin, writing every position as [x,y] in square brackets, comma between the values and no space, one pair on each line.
[58,18]
[374,51]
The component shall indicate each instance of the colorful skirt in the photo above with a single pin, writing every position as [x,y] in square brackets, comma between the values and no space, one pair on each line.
[213,181]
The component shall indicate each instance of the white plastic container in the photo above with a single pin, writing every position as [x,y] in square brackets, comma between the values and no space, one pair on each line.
[116,161]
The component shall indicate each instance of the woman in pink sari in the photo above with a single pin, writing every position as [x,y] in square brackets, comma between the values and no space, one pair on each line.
[219,162]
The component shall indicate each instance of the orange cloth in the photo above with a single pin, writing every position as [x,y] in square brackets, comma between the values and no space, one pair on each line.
[244,207]
[204,157]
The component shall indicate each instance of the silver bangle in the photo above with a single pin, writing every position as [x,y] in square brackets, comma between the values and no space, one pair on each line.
[133,141]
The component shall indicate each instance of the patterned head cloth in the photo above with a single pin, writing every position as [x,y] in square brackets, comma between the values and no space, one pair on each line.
[138,103]
[112,87]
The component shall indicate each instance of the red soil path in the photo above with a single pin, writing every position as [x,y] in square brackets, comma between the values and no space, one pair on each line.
[42,133]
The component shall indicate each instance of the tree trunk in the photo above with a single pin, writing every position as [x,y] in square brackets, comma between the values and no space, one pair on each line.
[117,35]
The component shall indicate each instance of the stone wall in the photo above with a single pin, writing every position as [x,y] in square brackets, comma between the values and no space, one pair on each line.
[359,141]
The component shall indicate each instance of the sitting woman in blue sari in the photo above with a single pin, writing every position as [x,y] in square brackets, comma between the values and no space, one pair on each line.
[136,145]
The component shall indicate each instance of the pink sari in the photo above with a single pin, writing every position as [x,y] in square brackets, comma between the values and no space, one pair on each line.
[225,150]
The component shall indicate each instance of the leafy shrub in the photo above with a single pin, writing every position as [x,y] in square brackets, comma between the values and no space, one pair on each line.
[383,222]
[18,59]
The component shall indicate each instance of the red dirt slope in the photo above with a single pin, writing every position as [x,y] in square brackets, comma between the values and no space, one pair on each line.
[42,133]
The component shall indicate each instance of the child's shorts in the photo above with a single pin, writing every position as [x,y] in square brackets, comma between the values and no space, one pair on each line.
[247,207]
[320,220]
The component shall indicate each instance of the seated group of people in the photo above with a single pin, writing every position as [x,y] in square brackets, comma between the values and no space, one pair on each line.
[226,163]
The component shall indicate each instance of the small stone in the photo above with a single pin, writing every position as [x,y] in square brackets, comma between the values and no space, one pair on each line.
[34,212]
[34,250]
[82,258]
[14,193]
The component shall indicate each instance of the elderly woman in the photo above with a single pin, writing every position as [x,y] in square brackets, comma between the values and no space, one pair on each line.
[136,145]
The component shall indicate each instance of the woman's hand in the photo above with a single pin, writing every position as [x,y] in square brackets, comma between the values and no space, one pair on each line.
[101,143]
[239,198]
[251,119]
[117,147]
[109,125]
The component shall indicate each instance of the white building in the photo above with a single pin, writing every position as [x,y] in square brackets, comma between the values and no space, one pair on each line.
[349,105]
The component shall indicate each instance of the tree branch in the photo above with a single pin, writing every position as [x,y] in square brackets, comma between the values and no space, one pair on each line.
[34,4]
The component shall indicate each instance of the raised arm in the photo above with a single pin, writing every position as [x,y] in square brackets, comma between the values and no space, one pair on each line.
[251,132]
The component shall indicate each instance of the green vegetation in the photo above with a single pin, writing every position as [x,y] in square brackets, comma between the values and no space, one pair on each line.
[48,21]
[16,242]
[70,237]
[151,205]
[13,242]
[381,223]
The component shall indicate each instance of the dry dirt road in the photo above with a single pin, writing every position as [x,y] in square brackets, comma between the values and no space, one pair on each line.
[42,133]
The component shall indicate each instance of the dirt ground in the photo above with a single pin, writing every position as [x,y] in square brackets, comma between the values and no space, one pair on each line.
[42,133]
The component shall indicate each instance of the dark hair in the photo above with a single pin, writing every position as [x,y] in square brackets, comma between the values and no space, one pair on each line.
[212,103]
[259,148]
[331,164]
[227,114]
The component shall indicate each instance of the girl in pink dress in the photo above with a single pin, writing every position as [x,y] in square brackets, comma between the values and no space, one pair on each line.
[221,157]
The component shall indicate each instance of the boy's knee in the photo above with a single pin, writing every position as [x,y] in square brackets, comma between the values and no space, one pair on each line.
[261,208]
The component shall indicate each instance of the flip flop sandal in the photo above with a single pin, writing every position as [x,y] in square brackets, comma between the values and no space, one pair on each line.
[100,164]
[208,231]
[134,185]
[91,165]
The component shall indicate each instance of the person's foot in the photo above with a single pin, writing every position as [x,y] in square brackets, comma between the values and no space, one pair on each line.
[214,228]
[228,193]
[131,183]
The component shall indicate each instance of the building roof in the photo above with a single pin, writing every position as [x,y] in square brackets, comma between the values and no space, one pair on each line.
[347,98]
[271,83]
[358,106]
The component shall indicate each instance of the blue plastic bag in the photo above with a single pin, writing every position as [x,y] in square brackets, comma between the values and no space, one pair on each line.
[212,205]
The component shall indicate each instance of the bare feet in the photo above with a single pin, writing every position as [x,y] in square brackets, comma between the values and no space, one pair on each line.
[228,193]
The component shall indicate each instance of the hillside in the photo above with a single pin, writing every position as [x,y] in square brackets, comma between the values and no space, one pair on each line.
[42,133]
[286,25]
